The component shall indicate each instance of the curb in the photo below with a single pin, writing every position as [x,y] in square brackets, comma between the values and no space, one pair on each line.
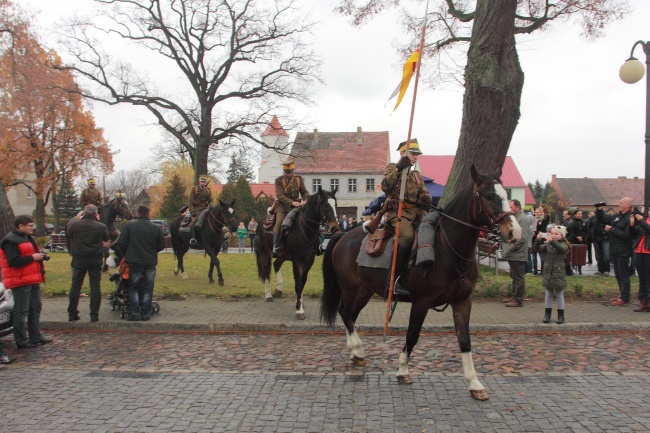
[336,329]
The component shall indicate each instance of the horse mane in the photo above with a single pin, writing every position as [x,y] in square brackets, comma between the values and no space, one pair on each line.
[487,179]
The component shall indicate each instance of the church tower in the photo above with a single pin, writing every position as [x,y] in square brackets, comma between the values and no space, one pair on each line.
[275,137]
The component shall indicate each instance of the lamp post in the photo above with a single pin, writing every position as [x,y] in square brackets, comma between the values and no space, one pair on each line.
[631,72]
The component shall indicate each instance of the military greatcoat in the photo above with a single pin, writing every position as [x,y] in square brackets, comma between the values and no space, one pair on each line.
[416,197]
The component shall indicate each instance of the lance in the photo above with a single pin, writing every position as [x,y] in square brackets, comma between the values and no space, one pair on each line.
[405,173]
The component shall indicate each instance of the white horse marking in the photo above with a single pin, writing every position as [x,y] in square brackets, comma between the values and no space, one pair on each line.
[184,276]
[403,365]
[355,345]
[516,228]
[470,373]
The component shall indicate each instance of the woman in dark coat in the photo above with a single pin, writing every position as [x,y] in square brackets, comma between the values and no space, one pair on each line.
[555,247]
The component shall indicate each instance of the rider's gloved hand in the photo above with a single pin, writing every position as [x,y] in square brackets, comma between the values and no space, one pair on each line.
[403,163]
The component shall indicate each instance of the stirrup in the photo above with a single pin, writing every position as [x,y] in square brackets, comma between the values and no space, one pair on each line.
[398,288]
[193,242]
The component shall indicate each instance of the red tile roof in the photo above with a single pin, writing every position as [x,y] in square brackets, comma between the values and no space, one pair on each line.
[275,128]
[584,192]
[341,152]
[438,167]
[257,189]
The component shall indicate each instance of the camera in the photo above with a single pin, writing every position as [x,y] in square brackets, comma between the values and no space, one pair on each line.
[46,257]
[636,211]
[600,204]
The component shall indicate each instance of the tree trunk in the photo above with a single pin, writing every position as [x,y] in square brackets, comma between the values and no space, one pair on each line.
[39,217]
[493,85]
[6,213]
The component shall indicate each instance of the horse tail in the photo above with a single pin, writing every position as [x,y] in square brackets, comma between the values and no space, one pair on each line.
[263,253]
[177,242]
[329,302]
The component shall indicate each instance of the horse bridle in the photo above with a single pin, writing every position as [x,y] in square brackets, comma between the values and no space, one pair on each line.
[323,217]
[116,205]
[494,218]
[223,221]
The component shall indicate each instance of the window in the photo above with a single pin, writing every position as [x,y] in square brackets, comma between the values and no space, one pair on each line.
[334,184]
[315,183]
[370,185]
[29,193]
[352,185]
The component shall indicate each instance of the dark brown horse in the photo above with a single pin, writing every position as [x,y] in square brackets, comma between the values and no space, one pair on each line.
[450,281]
[299,246]
[218,217]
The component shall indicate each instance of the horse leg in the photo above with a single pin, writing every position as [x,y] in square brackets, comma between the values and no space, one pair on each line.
[279,282]
[349,310]
[214,261]
[299,281]
[418,313]
[180,267]
[461,315]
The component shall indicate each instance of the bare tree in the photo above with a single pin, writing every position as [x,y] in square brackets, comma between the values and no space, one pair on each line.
[241,61]
[129,182]
[493,77]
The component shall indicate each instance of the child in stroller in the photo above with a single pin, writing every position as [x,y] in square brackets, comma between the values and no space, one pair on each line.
[120,297]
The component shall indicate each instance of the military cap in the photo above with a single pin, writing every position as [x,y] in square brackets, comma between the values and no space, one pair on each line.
[288,165]
[203,178]
[91,181]
[414,148]
[120,194]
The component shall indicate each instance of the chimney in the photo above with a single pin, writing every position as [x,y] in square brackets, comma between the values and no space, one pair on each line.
[359,136]
[315,138]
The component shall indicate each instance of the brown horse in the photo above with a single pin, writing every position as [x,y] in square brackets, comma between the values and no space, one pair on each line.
[299,246]
[449,281]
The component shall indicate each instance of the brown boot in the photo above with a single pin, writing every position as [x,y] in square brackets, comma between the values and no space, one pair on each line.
[643,308]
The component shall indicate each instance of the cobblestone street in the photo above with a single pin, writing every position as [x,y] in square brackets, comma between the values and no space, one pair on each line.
[124,381]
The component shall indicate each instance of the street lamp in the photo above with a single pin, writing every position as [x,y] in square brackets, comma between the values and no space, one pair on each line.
[631,72]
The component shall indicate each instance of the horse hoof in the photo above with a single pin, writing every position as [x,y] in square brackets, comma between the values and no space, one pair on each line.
[269,299]
[221,282]
[211,282]
[479,394]
[277,293]
[300,316]
[359,362]
[105,268]
[404,380]
[184,276]
[176,271]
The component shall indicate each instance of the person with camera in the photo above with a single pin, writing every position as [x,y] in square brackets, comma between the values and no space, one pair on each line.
[618,229]
[21,261]
[86,240]
[601,239]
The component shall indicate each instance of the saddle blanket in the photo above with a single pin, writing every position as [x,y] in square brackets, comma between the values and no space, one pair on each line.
[384,261]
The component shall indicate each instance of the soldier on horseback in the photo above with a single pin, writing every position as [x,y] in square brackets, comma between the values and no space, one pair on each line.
[91,195]
[289,190]
[199,203]
[416,199]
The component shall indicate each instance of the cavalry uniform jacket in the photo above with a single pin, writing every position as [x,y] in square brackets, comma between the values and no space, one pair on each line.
[200,199]
[90,196]
[289,191]
[18,266]
[415,194]
[140,242]
[84,238]
[554,274]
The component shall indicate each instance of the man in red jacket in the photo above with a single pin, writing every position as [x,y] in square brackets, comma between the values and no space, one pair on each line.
[21,261]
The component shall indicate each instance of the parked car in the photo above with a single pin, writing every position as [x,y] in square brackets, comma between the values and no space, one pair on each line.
[6,307]
[164,225]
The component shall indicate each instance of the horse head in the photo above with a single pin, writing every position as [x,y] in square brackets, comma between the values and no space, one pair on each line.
[491,205]
[226,218]
[326,202]
[122,209]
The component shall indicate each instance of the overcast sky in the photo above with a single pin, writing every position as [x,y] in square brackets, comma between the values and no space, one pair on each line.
[577,118]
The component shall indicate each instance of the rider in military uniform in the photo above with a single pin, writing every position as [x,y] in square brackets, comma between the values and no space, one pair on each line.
[289,190]
[416,199]
[91,195]
[200,202]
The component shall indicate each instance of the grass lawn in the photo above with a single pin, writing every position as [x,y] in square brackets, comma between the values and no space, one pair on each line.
[240,275]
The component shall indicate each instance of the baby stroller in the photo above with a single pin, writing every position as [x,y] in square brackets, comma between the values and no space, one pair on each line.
[120,297]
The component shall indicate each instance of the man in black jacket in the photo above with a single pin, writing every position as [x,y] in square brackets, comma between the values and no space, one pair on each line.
[618,229]
[86,240]
[139,243]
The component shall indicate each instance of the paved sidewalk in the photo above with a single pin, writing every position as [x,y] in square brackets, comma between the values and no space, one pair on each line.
[202,314]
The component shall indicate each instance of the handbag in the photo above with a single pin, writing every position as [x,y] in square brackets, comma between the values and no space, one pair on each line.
[377,242]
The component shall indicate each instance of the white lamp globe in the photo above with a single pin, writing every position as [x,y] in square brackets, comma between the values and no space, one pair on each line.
[632,71]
